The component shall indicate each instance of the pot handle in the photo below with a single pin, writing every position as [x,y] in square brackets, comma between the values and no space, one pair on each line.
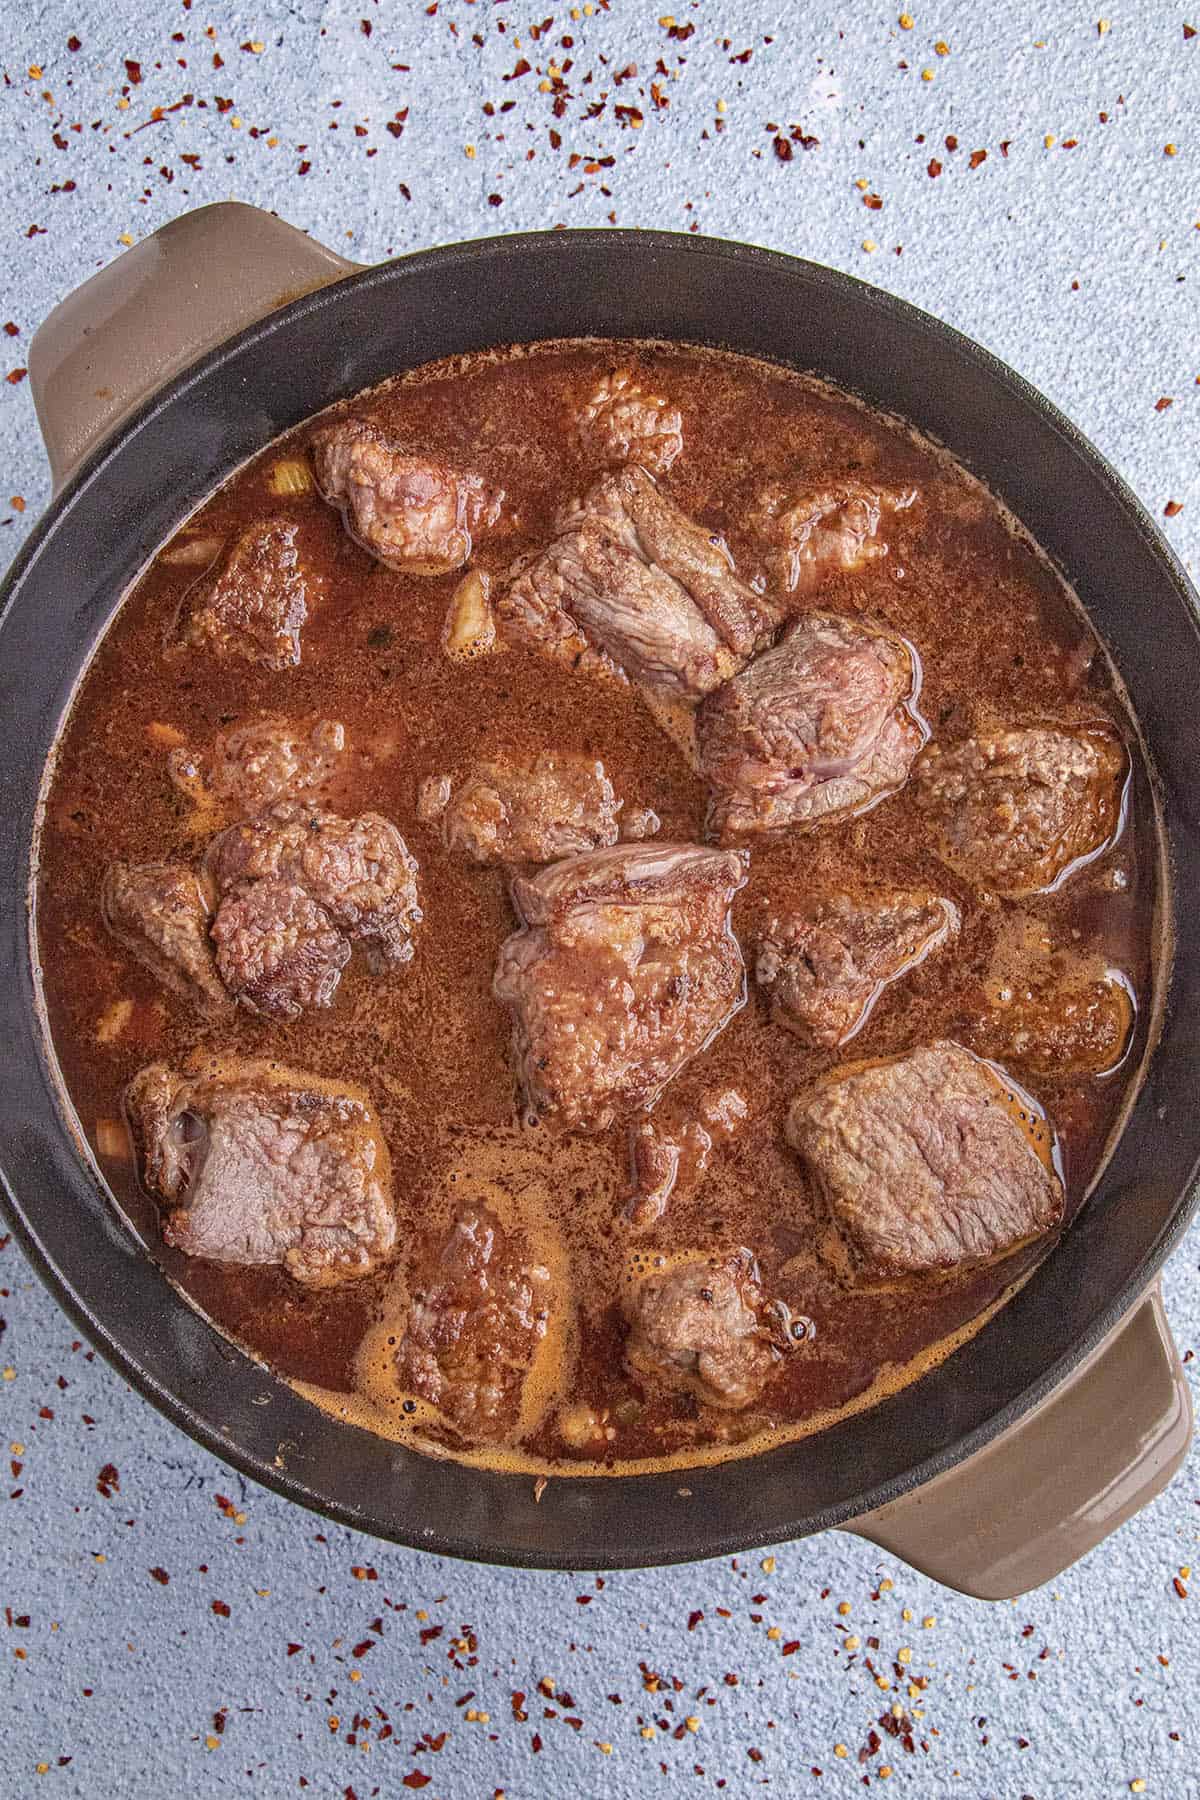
[188,287]
[1028,1505]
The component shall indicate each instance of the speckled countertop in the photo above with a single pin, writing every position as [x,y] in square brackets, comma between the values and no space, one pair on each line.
[1029,173]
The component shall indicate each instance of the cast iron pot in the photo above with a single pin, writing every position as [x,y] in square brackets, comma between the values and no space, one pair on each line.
[154,381]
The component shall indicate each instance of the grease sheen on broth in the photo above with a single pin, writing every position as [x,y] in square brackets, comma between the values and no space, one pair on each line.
[999,638]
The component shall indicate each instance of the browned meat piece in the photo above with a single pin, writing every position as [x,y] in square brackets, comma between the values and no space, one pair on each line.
[256,764]
[1016,809]
[277,950]
[813,534]
[260,1164]
[633,584]
[157,910]
[622,423]
[926,1163]
[527,809]
[409,510]
[1075,1020]
[699,1325]
[254,601]
[359,871]
[626,967]
[827,962]
[667,1156]
[812,731]
[479,1310]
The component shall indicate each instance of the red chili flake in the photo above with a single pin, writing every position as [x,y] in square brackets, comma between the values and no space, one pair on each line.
[873,202]
[1004,144]
[495,200]
[1070,143]
[415,1779]
[108,1482]
[934,169]
[1180,1588]
[978,157]
[1162,405]
[783,149]
[430,1632]
[680,33]
[18,503]
[361,1649]
[952,144]
[134,71]
[584,1599]
[74,43]
[519,68]
[755,1756]
[731,1681]
[294,1649]
[1189,31]
[396,127]
[36,231]
[1172,507]
[161,1576]
[518,1707]
[220,1608]
[535,1742]
[791,1647]
[304,168]
[12,330]
[366,27]
[694,1619]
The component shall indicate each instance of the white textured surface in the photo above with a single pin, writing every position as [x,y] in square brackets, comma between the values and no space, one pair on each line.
[997,251]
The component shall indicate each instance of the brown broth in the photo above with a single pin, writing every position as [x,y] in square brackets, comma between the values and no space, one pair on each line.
[1000,639]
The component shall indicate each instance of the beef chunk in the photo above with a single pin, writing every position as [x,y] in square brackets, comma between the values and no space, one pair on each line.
[157,910]
[277,950]
[809,535]
[1073,1018]
[812,730]
[826,962]
[699,1325]
[479,1309]
[622,423]
[358,871]
[525,809]
[1015,809]
[253,602]
[625,968]
[258,763]
[259,1164]
[632,584]
[409,510]
[925,1164]
[667,1156]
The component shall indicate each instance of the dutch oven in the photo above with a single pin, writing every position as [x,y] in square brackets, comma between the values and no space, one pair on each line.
[154,381]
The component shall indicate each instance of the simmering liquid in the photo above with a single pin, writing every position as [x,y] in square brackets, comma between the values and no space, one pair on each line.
[1000,640]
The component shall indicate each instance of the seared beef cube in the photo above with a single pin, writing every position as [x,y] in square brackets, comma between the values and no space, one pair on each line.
[633,584]
[825,963]
[812,730]
[699,1325]
[259,1164]
[926,1163]
[1073,1018]
[622,423]
[256,764]
[253,603]
[809,535]
[157,910]
[359,871]
[479,1310]
[1015,809]
[411,511]
[530,809]
[277,950]
[625,968]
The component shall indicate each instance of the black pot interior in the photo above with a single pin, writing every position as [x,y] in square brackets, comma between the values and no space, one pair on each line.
[134,491]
